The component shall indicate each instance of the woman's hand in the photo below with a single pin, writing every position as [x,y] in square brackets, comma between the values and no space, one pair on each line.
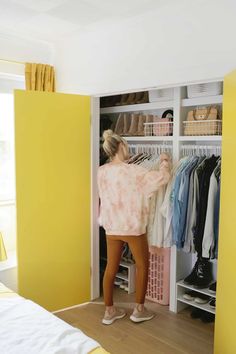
[165,157]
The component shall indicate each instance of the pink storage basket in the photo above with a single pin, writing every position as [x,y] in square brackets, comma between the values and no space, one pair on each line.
[158,289]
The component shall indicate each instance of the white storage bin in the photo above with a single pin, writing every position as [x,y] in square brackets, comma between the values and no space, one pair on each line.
[205,89]
[165,94]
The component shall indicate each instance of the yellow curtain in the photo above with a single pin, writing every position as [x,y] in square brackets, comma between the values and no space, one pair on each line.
[3,253]
[39,77]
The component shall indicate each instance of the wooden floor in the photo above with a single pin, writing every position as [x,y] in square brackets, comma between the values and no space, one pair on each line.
[167,333]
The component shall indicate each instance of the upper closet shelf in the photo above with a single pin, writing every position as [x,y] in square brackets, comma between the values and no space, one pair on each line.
[200,101]
[148,138]
[201,138]
[138,107]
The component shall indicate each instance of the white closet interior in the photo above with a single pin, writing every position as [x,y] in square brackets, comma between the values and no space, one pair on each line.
[181,262]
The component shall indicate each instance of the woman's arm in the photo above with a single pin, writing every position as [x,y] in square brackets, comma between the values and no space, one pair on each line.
[150,182]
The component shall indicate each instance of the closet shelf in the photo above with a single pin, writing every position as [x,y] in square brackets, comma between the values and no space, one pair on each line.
[122,263]
[205,307]
[148,138]
[138,107]
[200,101]
[122,276]
[126,264]
[202,291]
[201,138]
[213,138]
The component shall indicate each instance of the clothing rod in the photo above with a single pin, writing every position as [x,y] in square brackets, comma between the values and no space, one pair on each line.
[151,145]
[197,147]
[150,148]
[12,61]
[200,150]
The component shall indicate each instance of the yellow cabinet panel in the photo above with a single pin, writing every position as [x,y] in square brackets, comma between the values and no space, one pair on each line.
[52,135]
[225,332]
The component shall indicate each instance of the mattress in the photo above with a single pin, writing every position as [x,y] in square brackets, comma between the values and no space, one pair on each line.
[28,328]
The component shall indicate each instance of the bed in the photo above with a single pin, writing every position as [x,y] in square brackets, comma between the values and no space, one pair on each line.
[27,328]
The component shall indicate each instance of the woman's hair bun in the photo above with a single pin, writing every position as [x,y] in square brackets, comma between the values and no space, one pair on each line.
[107,134]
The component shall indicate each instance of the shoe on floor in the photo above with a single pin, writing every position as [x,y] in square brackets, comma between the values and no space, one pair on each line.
[207,317]
[109,318]
[197,313]
[141,316]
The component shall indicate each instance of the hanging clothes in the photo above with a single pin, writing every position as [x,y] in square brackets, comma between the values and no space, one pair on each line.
[157,235]
[176,202]
[183,198]
[191,212]
[167,211]
[194,201]
[216,221]
[212,217]
[204,182]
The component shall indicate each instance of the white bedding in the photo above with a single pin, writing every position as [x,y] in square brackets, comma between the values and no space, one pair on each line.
[27,328]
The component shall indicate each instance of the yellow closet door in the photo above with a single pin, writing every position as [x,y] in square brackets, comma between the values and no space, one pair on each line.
[225,333]
[52,134]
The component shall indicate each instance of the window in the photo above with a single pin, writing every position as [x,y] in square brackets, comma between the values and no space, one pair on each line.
[7,159]
[7,164]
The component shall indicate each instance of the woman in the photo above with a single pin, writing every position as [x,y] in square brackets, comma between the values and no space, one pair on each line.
[124,191]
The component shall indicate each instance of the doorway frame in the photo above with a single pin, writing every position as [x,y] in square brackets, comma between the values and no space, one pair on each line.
[95,145]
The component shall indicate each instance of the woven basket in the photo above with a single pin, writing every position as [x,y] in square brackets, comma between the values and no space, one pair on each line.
[203,127]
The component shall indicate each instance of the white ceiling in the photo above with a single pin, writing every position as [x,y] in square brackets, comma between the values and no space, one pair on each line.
[50,20]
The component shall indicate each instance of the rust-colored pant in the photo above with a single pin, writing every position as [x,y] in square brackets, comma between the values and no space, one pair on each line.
[139,248]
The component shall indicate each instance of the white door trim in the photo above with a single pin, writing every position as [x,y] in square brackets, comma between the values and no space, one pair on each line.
[94,156]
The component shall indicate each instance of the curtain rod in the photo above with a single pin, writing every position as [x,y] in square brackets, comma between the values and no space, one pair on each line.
[12,61]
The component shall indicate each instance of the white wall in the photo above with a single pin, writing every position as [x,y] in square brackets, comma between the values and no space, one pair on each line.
[184,41]
[23,50]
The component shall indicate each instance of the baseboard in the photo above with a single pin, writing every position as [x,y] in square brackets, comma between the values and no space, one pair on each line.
[71,307]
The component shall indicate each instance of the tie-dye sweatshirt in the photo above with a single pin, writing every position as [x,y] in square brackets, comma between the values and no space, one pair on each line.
[124,192]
